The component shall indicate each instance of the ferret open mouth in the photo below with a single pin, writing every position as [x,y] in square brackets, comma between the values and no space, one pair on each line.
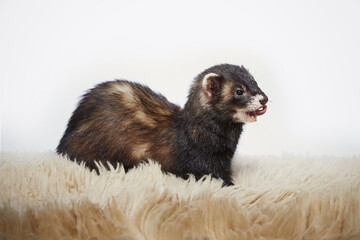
[260,111]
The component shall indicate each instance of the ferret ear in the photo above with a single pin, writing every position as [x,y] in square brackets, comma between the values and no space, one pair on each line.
[211,84]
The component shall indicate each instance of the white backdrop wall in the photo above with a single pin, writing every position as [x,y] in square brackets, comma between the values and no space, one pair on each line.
[304,55]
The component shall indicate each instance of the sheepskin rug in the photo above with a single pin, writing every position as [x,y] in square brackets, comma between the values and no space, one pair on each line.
[45,196]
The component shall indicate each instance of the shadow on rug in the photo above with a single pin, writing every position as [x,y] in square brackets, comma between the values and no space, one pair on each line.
[44,196]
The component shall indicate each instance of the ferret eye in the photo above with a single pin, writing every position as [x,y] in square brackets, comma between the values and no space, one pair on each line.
[239,92]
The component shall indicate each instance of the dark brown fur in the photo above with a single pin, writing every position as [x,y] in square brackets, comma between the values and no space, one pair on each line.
[124,122]
[112,124]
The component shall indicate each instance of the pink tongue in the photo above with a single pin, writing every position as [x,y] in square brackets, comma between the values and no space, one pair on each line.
[260,111]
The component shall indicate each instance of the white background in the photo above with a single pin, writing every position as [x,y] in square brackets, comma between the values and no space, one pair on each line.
[304,54]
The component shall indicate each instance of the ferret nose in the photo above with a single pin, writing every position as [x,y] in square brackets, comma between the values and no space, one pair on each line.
[264,100]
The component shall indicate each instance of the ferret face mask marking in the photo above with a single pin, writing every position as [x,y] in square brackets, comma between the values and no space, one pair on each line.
[236,93]
[253,108]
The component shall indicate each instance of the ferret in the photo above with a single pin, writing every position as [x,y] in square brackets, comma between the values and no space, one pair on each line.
[125,122]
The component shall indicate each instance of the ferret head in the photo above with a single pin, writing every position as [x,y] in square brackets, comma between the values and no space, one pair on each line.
[230,91]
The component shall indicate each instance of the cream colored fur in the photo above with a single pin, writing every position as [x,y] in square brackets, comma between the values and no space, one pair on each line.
[44,196]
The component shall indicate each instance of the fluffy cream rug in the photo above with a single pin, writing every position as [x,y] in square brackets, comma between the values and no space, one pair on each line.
[44,196]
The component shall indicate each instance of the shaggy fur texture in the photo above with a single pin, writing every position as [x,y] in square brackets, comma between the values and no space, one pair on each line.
[44,196]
